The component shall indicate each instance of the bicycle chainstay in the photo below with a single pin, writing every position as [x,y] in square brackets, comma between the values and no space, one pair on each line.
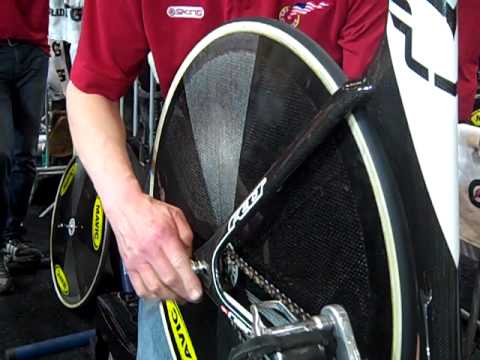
[233,259]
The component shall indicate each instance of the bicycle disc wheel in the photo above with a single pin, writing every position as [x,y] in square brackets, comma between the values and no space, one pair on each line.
[79,238]
[333,233]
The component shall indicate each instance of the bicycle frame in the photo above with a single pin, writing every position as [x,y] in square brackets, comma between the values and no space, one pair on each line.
[342,102]
[444,226]
[418,60]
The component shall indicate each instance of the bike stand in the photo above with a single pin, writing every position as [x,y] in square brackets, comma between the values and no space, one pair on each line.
[51,346]
[46,211]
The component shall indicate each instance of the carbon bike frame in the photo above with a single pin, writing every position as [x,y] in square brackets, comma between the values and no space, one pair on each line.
[437,233]
[343,101]
[411,87]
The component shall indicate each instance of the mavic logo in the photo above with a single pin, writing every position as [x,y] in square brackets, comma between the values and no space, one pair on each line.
[180,332]
[97,224]
[186,12]
[246,206]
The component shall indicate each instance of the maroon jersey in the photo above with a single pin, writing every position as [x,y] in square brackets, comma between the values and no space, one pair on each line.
[116,34]
[469,55]
[25,20]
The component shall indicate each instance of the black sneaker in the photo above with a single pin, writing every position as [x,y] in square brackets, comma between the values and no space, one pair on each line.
[21,252]
[6,282]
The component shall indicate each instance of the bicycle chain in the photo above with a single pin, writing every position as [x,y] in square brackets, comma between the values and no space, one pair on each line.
[234,259]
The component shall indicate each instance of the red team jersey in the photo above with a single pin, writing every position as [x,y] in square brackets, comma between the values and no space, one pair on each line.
[117,34]
[469,56]
[25,20]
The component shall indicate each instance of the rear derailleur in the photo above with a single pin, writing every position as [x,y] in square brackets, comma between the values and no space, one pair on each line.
[327,336]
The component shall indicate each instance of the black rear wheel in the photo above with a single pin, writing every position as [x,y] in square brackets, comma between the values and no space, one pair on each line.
[79,239]
[333,235]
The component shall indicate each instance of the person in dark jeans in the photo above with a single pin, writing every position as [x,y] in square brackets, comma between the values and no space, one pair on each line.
[23,73]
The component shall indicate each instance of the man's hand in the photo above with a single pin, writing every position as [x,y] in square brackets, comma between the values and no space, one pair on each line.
[154,238]
[155,242]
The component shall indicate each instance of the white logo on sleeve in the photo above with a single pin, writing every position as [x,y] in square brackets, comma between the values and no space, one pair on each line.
[186,12]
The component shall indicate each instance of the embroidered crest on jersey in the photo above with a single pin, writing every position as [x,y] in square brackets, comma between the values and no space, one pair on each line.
[186,12]
[291,14]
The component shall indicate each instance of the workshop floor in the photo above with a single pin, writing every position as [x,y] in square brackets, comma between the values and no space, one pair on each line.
[32,313]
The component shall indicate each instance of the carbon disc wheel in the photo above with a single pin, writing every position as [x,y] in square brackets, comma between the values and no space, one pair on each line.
[334,233]
[79,238]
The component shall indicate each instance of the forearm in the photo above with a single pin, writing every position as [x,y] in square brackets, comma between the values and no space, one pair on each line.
[146,230]
[99,138]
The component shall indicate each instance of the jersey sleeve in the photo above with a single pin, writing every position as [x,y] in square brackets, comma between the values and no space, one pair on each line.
[112,47]
[361,35]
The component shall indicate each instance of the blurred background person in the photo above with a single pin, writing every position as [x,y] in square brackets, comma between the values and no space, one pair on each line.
[23,71]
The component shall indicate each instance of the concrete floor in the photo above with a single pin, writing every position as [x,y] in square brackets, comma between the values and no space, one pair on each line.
[32,312]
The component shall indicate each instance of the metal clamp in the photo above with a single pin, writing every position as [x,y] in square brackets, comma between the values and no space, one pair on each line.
[332,318]
[199,267]
[346,345]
